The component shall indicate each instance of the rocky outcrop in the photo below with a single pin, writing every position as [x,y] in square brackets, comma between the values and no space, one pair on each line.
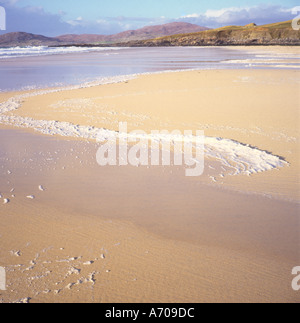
[275,34]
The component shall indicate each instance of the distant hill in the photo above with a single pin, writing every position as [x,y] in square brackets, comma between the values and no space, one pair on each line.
[273,34]
[81,39]
[25,39]
[139,34]
[172,34]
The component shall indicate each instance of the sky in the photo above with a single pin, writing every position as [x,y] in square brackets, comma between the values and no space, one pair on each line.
[57,17]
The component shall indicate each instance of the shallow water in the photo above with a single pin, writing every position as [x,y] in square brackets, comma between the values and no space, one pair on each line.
[42,67]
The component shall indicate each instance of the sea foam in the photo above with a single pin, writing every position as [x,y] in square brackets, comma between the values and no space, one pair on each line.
[243,158]
[19,52]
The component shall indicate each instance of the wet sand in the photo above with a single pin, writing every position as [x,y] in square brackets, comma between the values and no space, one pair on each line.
[144,222]
[138,234]
[255,107]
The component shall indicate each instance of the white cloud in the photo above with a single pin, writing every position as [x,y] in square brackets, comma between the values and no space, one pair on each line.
[221,12]
[76,22]
[193,15]
[37,20]
[262,14]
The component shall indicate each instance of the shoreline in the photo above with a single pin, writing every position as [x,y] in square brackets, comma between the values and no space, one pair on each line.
[229,45]
[289,50]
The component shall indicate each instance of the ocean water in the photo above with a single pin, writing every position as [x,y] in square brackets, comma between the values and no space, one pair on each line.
[40,67]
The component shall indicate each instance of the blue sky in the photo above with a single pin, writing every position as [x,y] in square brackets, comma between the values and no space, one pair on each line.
[55,17]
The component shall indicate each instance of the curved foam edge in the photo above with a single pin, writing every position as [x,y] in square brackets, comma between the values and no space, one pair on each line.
[244,159]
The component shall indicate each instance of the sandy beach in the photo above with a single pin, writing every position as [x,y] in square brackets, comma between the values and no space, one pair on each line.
[72,231]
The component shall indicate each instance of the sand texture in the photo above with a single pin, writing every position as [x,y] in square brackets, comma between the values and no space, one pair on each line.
[72,231]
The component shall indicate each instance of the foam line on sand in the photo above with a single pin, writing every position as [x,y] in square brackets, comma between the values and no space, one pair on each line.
[243,158]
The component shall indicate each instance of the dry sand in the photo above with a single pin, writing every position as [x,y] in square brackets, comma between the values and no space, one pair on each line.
[126,234]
